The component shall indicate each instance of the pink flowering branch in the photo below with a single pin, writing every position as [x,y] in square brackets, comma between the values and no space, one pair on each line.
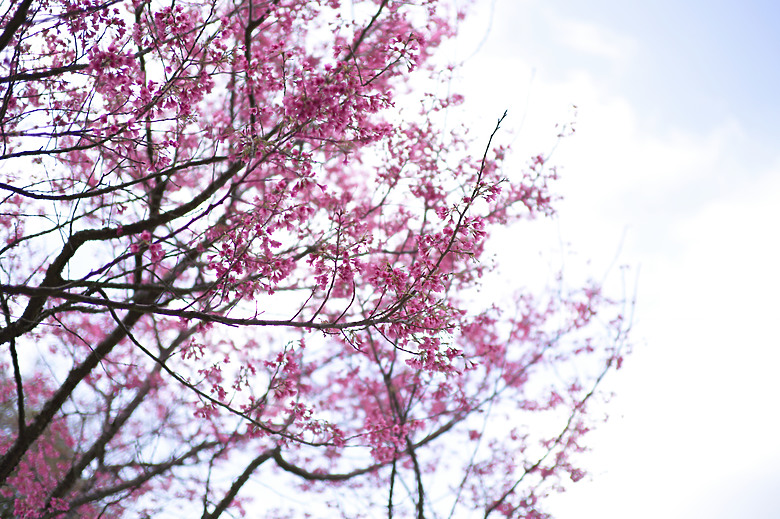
[227,241]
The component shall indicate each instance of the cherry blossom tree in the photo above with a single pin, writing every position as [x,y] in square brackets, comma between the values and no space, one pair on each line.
[235,265]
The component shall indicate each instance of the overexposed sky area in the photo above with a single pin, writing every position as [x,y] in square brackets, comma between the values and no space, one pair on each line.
[675,166]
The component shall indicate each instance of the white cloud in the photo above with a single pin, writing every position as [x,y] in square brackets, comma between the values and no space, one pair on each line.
[697,397]
[590,38]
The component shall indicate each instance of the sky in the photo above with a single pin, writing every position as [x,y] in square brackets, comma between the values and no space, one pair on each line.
[675,170]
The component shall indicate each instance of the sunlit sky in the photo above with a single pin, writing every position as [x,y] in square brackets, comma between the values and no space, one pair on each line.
[675,168]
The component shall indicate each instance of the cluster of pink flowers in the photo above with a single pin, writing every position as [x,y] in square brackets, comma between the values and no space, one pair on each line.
[236,243]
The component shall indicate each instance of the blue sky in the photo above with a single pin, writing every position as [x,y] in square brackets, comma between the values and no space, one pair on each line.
[688,61]
[676,167]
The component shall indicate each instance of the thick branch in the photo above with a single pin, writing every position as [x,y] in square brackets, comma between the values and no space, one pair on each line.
[143,478]
[53,278]
[90,193]
[13,456]
[188,314]
[16,22]
[112,428]
[238,483]
[315,476]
